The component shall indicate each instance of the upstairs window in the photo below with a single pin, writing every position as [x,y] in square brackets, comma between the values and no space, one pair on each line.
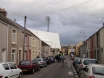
[14,36]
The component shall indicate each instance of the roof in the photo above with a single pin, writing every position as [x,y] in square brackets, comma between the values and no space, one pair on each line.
[44,44]
[6,62]
[50,38]
[14,24]
[96,32]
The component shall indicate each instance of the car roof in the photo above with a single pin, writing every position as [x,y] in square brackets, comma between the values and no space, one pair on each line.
[96,65]
[88,59]
[6,62]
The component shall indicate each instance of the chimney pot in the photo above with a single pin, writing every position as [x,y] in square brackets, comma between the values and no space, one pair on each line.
[3,12]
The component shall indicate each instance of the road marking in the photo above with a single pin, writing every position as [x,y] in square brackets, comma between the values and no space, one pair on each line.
[69,66]
[68,63]
[76,75]
[70,73]
[74,70]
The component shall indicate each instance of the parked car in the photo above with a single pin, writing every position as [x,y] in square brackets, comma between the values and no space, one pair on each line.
[29,66]
[92,71]
[85,61]
[41,62]
[48,60]
[9,70]
[72,57]
[76,60]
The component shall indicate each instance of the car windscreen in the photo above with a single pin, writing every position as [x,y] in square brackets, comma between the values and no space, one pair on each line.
[25,62]
[98,70]
[86,62]
[38,59]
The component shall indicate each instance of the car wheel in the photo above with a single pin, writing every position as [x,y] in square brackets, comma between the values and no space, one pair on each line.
[33,71]
[46,65]
[20,75]
[38,68]
[43,66]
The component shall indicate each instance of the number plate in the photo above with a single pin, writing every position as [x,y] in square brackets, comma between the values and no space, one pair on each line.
[24,70]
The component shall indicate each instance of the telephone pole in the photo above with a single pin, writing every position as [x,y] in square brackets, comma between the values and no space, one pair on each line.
[48,19]
[24,37]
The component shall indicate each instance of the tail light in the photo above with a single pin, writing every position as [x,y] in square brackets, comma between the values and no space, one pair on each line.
[30,65]
[82,66]
[91,77]
[1,76]
[40,62]
[19,66]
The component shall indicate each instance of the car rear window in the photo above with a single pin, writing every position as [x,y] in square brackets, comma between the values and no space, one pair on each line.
[38,59]
[25,62]
[86,62]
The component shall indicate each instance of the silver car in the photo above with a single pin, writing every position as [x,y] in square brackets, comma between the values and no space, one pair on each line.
[85,61]
[42,62]
[92,71]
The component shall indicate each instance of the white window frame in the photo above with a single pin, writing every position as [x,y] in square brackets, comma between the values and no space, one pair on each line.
[14,55]
[13,36]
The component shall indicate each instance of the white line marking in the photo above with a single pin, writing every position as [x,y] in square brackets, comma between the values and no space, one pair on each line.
[70,73]
[76,75]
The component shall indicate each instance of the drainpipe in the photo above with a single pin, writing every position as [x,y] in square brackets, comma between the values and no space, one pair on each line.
[7,44]
[103,48]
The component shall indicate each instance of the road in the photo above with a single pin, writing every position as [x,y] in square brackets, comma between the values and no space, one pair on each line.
[55,70]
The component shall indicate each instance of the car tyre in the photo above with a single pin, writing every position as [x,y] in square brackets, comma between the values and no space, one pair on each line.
[20,75]
[33,71]
[38,68]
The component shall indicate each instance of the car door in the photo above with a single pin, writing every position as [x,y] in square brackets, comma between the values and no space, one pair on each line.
[86,72]
[44,61]
[13,68]
[34,65]
[6,71]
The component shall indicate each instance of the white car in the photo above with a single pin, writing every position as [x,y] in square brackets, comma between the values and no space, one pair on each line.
[92,71]
[9,70]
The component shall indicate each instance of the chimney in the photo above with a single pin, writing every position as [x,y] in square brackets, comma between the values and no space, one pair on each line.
[14,20]
[3,12]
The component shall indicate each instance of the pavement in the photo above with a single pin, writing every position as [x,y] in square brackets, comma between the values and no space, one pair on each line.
[55,70]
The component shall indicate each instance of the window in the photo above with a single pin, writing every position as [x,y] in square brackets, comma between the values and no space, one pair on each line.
[34,62]
[25,39]
[12,66]
[33,54]
[5,66]
[13,55]
[98,70]
[25,56]
[25,62]
[13,36]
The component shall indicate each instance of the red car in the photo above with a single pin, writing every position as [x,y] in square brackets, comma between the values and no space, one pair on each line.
[29,66]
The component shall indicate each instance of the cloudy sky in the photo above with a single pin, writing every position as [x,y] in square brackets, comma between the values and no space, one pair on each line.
[67,17]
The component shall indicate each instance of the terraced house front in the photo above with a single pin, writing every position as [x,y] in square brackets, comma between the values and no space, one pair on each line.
[12,37]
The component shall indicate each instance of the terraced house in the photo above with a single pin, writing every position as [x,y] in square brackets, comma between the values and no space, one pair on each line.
[94,46]
[11,41]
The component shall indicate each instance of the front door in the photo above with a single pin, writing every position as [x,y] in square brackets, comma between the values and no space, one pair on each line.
[3,55]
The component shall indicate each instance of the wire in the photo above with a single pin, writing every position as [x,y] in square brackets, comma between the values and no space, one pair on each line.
[48,7]
[42,7]
[66,8]
[16,14]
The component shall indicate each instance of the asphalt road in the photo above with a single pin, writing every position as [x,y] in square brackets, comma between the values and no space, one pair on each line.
[55,70]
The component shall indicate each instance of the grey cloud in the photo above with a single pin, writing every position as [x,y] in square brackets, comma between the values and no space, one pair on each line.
[68,23]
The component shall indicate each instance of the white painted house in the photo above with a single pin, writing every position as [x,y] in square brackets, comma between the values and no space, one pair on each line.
[50,38]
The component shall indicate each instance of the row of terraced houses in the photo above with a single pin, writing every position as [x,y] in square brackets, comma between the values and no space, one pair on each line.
[11,42]
[93,47]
